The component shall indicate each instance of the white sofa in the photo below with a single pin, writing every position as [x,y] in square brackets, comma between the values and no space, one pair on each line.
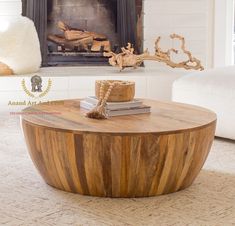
[212,89]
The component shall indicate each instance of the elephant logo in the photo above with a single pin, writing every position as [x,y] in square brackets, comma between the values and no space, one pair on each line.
[36,83]
[37,89]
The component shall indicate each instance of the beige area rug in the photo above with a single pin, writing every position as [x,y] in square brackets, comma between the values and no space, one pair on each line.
[26,200]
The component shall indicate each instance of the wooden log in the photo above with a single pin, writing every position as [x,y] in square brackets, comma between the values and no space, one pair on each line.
[65,27]
[62,26]
[98,44]
[82,44]
[76,33]
[5,70]
[123,91]
[96,36]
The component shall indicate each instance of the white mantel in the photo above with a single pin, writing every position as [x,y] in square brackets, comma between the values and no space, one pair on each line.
[78,82]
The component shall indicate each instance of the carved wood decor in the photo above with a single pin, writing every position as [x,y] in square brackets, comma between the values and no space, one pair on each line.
[127,58]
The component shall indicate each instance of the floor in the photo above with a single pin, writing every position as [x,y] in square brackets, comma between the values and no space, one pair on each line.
[26,200]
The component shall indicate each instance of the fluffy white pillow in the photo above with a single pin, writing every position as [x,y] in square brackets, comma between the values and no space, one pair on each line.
[19,45]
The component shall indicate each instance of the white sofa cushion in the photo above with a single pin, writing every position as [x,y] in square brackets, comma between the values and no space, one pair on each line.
[212,89]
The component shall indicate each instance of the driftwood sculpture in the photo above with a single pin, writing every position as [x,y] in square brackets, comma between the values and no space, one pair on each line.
[127,58]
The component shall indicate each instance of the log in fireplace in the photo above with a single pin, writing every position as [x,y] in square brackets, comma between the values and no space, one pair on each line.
[77,32]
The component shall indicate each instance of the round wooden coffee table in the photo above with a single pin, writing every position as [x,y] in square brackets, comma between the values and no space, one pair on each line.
[127,156]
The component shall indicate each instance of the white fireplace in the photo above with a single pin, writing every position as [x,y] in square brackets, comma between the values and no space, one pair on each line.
[191,19]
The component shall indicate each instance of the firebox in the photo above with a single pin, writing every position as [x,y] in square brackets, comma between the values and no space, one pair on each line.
[78,32]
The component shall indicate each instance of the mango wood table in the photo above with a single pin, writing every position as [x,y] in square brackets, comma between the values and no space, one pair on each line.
[127,156]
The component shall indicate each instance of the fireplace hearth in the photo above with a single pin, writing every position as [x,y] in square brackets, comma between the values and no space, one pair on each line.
[78,32]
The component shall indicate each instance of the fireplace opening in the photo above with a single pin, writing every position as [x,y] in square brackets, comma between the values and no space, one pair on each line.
[78,32]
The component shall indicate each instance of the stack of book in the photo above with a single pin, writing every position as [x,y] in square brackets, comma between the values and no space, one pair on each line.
[117,108]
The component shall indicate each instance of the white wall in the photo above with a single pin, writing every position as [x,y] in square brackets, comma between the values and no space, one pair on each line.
[191,18]
[223,35]
[10,7]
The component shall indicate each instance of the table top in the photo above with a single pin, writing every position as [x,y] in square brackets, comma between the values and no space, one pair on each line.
[165,118]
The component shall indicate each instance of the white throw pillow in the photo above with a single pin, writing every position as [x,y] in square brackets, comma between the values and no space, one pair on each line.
[19,45]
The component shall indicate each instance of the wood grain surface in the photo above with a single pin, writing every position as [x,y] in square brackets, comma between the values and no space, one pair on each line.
[123,162]
[166,117]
